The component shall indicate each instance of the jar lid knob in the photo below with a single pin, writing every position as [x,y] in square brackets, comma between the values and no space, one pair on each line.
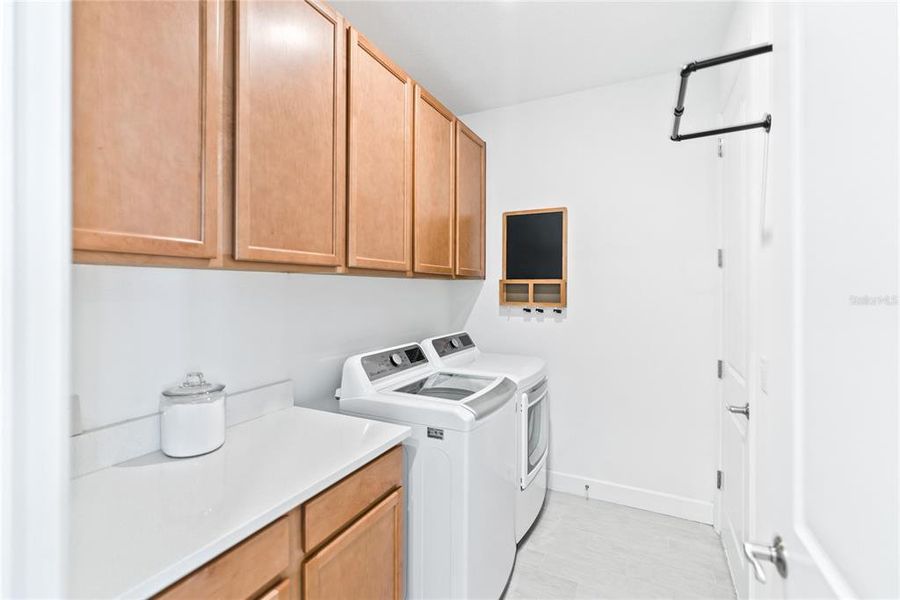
[194,383]
[193,379]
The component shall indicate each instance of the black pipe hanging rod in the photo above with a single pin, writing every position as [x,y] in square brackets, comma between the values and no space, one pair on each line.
[715,61]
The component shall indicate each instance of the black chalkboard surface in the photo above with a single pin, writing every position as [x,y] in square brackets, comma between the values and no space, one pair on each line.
[534,245]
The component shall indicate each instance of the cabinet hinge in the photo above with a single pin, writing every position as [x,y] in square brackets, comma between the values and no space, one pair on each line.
[719,368]
[720,258]
[720,147]
[720,479]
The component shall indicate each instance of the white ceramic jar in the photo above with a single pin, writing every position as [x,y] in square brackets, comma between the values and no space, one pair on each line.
[192,417]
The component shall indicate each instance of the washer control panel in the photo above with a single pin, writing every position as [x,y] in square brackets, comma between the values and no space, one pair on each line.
[394,361]
[452,343]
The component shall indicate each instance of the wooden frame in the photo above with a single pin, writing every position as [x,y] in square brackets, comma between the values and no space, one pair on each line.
[532,283]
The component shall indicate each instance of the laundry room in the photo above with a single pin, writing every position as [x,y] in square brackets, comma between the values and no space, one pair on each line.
[362,299]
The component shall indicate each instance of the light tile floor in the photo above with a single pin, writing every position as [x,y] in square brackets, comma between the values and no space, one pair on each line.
[591,549]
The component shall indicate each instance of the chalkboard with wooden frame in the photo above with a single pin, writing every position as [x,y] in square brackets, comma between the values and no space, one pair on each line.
[534,258]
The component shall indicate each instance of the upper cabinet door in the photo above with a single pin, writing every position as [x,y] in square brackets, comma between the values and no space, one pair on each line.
[380,161]
[470,195]
[146,124]
[290,147]
[435,150]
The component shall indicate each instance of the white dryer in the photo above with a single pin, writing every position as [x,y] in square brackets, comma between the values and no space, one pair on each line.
[460,468]
[457,353]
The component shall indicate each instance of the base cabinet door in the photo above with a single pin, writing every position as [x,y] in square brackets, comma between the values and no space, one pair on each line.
[365,561]
[290,147]
[146,127]
[434,176]
[470,196]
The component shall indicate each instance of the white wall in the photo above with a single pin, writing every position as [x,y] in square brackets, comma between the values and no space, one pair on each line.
[633,361]
[137,330]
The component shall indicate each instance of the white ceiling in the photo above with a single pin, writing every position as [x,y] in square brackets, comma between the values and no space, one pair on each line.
[479,55]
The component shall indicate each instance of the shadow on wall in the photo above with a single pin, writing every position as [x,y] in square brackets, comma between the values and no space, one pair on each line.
[137,330]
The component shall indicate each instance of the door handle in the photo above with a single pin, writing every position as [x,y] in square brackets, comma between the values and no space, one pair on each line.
[773,554]
[739,410]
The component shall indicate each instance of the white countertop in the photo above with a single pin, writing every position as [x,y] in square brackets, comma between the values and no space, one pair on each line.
[139,526]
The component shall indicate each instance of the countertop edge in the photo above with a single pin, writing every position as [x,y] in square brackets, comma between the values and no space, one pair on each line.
[189,564]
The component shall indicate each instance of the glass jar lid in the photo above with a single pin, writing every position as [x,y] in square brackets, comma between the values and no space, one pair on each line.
[193,385]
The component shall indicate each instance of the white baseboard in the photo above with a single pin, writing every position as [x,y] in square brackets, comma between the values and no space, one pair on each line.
[652,500]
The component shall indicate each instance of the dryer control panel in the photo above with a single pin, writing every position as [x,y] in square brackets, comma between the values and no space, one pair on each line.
[452,343]
[391,362]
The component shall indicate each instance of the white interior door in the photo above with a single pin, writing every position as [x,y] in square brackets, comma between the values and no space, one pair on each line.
[735,497]
[826,408]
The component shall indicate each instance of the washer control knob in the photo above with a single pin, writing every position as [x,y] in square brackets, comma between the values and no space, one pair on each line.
[396,359]
[454,342]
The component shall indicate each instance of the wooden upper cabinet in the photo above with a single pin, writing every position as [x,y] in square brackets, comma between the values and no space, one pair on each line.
[470,196]
[365,561]
[435,129]
[379,195]
[291,123]
[146,126]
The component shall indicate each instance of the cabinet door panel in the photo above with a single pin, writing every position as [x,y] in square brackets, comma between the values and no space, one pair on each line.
[470,198]
[434,185]
[380,160]
[365,561]
[290,149]
[146,101]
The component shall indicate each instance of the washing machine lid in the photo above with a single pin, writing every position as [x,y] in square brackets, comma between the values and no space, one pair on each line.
[400,384]
[458,352]
[434,410]
[448,386]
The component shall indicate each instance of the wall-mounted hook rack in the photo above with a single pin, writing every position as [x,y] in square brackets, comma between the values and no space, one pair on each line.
[689,68]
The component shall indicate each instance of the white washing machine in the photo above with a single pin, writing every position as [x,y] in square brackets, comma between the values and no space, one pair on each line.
[457,353]
[460,468]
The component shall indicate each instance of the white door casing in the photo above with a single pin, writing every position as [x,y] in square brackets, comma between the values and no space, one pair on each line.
[35,266]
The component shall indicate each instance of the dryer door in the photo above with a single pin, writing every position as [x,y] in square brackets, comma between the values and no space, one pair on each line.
[535,432]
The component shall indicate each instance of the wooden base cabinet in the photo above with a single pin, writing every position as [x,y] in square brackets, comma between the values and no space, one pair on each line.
[365,561]
[244,570]
[347,542]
